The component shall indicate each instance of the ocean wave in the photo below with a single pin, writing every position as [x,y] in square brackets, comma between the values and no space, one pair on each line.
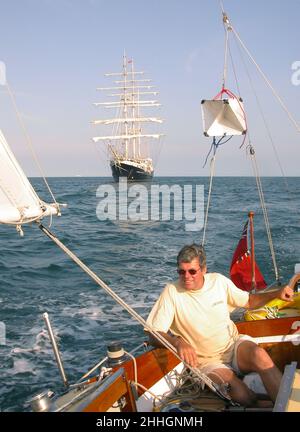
[135,259]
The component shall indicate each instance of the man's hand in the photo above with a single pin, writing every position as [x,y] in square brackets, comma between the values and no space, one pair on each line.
[186,352]
[286,293]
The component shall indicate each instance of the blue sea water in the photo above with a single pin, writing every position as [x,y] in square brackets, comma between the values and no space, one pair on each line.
[135,258]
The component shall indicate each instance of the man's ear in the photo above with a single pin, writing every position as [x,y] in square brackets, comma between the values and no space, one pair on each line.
[204,270]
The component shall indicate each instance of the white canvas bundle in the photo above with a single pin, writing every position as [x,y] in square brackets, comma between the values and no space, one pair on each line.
[223,117]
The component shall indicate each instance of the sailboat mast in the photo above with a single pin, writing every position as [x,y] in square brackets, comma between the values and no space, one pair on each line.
[136,114]
[253,280]
[125,103]
[133,110]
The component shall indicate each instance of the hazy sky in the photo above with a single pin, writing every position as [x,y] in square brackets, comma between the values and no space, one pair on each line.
[56,52]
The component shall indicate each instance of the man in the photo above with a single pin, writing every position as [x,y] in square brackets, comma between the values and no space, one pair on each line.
[193,315]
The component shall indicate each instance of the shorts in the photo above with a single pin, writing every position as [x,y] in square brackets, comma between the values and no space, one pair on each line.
[208,368]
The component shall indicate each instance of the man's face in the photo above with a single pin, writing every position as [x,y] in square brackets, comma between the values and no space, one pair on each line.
[190,275]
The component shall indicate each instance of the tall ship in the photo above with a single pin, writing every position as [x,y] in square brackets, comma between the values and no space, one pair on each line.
[132,131]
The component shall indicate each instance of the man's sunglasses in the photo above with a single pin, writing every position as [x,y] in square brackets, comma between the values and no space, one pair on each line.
[182,272]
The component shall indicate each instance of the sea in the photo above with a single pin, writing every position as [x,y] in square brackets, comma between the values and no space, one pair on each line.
[135,256]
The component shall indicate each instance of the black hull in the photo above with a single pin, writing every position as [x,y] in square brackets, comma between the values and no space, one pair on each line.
[132,173]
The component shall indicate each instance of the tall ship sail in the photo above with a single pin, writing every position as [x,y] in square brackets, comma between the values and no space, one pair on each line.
[132,131]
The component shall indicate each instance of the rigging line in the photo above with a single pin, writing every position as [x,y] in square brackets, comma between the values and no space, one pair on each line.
[283,105]
[210,150]
[264,120]
[29,143]
[212,171]
[213,386]
[157,155]
[226,30]
[264,209]
[214,147]
[222,7]
[234,72]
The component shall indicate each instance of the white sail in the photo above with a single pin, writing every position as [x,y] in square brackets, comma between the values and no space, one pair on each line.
[223,117]
[19,202]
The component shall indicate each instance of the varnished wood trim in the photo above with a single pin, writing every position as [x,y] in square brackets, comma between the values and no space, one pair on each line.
[119,388]
[152,366]
[269,327]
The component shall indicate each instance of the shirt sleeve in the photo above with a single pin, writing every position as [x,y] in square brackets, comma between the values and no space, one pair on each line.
[235,296]
[162,313]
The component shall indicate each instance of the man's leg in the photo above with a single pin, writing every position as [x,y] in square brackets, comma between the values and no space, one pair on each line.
[239,392]
[252,358]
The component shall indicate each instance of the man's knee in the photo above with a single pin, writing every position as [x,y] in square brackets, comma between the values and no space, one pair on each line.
[260,359]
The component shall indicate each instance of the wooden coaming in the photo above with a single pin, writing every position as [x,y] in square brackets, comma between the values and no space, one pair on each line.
[151,366]
[269,327]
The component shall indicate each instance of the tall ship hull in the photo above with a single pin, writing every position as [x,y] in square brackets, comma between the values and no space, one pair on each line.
[128,146]
[132,170]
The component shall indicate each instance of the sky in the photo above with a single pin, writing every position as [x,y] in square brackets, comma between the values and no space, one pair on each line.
[55,54]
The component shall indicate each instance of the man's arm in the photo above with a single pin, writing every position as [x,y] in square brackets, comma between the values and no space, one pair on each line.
[258,300]
[156,343]
[184,350]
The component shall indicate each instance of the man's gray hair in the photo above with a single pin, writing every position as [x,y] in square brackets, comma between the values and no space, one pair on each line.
[190,252]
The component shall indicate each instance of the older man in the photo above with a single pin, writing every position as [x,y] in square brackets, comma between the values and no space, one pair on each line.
[192,314]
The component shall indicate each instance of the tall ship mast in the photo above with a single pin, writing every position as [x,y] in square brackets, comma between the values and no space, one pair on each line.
[128,144]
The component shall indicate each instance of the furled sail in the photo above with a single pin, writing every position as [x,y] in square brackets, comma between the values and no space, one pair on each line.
[223,117]
[19,202]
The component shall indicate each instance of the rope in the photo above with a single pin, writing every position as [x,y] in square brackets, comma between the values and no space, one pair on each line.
[277,96]
[268,130]
[226,29]
[229,26]
[212,172]
[213,386]
[234,73]
[28,141]
[187,388]
[264,209]
[214,147]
